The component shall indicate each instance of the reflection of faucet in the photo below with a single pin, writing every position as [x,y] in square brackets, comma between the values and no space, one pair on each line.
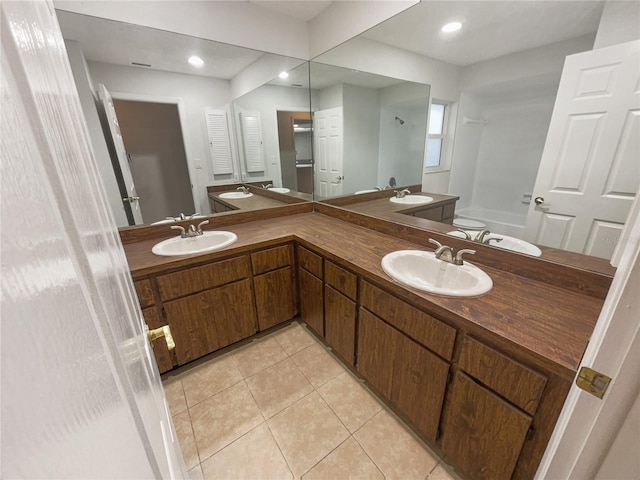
[191,231]
[481,236]
[445,253]
[267,186]
[379,188]
[182,216]
[402,193]
[466,234]
[243,189]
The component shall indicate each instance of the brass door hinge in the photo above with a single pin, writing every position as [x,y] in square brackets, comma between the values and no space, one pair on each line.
[593,382]
[163,331]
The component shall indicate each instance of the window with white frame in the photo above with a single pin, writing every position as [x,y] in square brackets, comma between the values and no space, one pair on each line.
[436,135]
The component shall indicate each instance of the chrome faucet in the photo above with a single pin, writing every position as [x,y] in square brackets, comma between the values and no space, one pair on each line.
[243,189]
[267,186]
[191,231]
[402,193]
[481,236]
[446,253]
[466,234]
[182,216]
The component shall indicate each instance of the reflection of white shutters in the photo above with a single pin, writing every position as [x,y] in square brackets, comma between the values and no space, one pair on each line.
[252,141]
[219,144]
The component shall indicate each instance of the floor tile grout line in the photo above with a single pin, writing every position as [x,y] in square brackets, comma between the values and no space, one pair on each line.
[280,449]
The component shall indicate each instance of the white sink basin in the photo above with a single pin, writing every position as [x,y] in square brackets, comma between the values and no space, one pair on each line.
[207,242]
[508,243]
[235,195]
[279,189]
[412,199]
[422,270]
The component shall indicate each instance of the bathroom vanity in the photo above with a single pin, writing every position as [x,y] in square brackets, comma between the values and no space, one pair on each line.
[482,380]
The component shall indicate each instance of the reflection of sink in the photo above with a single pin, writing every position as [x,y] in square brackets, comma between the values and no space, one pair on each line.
[412,199]
[207,242]
[508,243]
[422,270]
[371,190]
[279,189]
[235,195]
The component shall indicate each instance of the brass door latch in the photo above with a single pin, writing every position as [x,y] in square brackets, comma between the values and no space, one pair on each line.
[593,382]
[163,331]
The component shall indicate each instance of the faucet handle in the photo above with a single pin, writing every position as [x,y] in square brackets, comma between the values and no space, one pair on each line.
[204,222]
[435,242]
[462,252]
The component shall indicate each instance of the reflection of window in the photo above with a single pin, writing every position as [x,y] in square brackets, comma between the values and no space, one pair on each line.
[436,134]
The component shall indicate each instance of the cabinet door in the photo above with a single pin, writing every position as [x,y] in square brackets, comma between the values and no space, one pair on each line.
[419,383]
[376,350]
[233,312]
[311,303]
[159,345]
[340,323]
[275,297]
[482,433]
[193,325]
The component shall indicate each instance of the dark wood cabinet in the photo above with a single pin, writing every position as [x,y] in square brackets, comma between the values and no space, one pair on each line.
[442,212]
[310,275]
[160,350]
[340,323]
[482,433]
[409,375]
[340,310]
[419,382]
[275,285]
[376,350]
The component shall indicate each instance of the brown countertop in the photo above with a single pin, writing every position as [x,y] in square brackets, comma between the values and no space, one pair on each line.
[552,325]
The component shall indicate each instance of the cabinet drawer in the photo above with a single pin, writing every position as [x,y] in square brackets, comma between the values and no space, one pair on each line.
[272,259]
[310,261]
[145,293]
[201,278]
[343,281]
[423,328]
[519,384]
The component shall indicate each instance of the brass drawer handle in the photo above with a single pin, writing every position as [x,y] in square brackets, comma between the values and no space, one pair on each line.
[163,331]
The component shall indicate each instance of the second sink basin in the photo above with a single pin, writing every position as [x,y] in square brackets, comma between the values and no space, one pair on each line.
[279,189]
[412,199]
[508,243]
[207,242]
[422,270]
[235,195]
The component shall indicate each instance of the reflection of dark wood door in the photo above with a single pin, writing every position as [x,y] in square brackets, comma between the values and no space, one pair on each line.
[287,142]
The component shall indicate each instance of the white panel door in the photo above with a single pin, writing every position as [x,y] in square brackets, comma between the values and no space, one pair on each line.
[130,198]
[252,141]
[219,141]
[81,393]
[328,151]
[590,167]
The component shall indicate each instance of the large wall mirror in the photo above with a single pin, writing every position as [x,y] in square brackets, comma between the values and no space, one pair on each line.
[499,80]
[369,130]
[185,128]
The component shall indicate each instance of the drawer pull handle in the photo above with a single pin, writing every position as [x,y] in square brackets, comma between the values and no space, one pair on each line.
[163,331]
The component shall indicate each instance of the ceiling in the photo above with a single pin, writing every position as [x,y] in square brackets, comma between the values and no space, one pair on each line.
[490,29]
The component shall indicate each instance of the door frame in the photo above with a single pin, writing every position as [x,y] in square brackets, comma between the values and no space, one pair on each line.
[179,102]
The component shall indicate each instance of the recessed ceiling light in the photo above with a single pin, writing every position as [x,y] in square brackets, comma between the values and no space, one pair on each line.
[196,61]
[283,75]
[451,27]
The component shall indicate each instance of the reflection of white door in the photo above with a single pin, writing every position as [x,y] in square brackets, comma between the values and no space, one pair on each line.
[81,392]
[130,197]
[327,141]
[589,172]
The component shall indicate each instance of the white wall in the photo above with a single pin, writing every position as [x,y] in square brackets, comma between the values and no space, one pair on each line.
[85,88]
[267,100]
[620,23]
[361,114]
[196,93]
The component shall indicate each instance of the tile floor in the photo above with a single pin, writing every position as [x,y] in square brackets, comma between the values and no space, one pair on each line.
[283,407]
